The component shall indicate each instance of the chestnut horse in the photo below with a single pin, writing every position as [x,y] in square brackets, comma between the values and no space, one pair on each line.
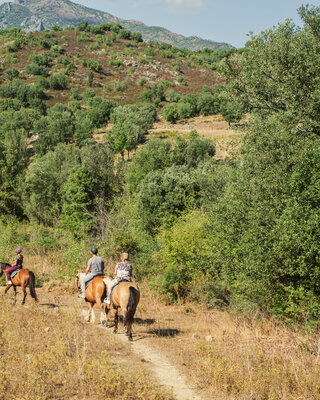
[96,292]
[126,296]
[23,278]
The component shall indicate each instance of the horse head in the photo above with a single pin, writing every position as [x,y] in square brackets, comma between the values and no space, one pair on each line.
[79,277]
[3,267]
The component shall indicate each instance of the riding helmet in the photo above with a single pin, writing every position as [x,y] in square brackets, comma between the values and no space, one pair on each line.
[94,250]
[18,250]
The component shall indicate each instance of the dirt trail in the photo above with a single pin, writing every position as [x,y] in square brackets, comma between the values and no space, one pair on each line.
[143,351]
[165,372]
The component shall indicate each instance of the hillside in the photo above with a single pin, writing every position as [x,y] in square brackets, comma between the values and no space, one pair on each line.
[122,69]
[37,15]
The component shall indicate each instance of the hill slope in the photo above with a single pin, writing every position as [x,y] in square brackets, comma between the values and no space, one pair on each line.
[37,15]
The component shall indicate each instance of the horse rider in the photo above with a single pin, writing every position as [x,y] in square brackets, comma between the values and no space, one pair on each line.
[122,272]
[17,265]
[95,268]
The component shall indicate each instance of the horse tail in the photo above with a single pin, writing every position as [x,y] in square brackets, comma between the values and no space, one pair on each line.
[132,304]
[32,280]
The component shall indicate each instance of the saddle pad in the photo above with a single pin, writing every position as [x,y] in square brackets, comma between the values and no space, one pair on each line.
[14,273]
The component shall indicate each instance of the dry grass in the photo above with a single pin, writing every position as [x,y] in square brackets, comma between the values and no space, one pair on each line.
[247,358]
[47,352]
[213,127]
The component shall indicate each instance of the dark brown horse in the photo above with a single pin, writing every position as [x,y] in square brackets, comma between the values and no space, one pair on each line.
[125,296]
[96,292]
[23,278]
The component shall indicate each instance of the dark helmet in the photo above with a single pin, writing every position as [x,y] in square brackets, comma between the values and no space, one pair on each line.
[94,250]
[18,250]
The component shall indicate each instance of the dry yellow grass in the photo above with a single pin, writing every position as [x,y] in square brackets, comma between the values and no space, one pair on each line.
[250,357]
[213,127]
[47,352]
[246,358]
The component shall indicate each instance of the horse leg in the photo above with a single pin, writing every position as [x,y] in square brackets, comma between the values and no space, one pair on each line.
[24,294]
[7,288]
[15,294]
[116,319]
[103,316]
[88,317]
[93,316]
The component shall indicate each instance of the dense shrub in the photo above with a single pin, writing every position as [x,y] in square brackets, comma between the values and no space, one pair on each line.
[58,81]
[94,65]
[36,69]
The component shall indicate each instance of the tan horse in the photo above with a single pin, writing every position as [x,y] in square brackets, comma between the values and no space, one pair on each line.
[125,296]
[96,292]
[23,278]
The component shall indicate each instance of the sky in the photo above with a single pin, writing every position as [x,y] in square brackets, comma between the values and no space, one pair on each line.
[219,20]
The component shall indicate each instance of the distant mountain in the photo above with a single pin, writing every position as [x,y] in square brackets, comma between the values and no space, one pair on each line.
[37,15]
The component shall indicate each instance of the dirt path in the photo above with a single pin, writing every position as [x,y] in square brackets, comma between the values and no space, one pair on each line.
[143,351]
[164,371]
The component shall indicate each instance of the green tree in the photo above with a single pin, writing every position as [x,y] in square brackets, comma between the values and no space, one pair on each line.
[14,154]
[57,127]
[90,78]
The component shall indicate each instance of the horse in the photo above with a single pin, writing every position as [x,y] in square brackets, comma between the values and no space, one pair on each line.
[96,292]
[126,296]
[23,278]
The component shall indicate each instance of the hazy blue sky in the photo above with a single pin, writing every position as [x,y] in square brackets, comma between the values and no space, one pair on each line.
[219,20]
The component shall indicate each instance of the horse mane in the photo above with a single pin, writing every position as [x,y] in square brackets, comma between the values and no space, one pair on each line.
[4,265]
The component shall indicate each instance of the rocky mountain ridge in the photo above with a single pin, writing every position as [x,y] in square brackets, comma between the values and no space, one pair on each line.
[37,15]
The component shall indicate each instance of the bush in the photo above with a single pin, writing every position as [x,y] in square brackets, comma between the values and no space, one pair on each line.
[56,28]
[43,59]
[170,112]
[90,78]
[124,34]
[35,69]
[116,63]
[81,26]
[12,73]
[58,81]
[74,92]
[137,37]
[88,94]
[94,65]
[183,255]
[142,81]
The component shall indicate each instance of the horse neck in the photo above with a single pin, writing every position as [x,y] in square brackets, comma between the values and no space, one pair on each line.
[5,266]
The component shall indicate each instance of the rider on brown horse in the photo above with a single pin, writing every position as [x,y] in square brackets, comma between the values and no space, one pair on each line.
[95,268]
[18,265]
[122,272]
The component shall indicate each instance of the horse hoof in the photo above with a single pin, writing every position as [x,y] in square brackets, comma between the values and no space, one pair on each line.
[130,339]
[104,323]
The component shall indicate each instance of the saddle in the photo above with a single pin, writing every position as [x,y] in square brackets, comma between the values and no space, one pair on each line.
[88,283]
[14,273]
